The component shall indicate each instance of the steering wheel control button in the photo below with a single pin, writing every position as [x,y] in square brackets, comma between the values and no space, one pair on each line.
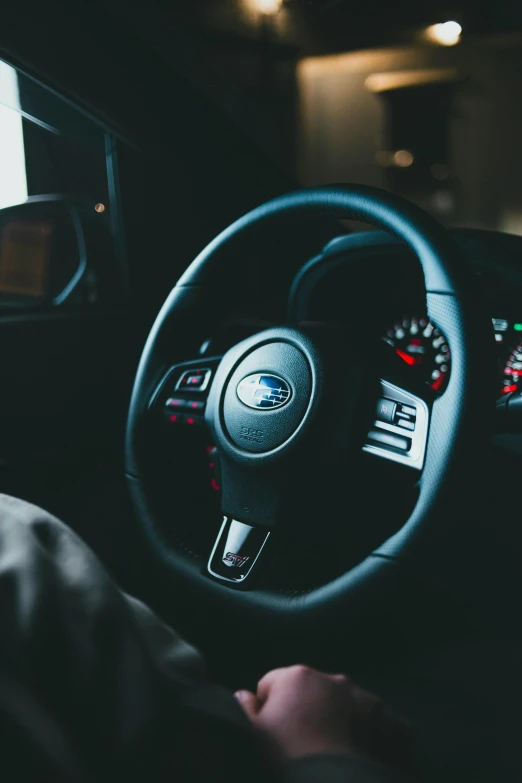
[405,417]
[175,404]
[194,421]
[195,406]
[172,417]
[236,550]
[394,413]
[263,391]
[385,438]
[386,410]
[195,380]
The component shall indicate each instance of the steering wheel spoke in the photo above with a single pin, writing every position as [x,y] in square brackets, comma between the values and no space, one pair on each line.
[236,551]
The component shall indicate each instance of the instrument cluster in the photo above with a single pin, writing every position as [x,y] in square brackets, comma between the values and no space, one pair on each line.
[423,347]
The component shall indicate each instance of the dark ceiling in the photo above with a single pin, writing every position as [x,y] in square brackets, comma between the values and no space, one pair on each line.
[323,26]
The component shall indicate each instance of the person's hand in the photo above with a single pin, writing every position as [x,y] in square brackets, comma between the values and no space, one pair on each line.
[305,712]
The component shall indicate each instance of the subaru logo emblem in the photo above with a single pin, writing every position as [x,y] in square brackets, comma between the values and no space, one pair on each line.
[264,392]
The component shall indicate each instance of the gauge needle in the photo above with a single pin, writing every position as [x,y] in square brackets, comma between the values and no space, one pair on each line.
[438,382]
[406,357]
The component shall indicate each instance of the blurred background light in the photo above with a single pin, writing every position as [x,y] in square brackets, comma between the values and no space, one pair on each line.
[403,158]
[443,201]
[396,80]
[267,6]
[444,34]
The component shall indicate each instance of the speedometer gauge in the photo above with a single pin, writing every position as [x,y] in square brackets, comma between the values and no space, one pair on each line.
[513,370]
[419,343]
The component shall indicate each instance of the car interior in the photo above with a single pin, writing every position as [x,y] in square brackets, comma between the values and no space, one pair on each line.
[261,329]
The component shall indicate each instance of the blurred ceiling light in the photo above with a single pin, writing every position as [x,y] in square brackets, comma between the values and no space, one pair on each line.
[267,6]
[395,80]
[443,201]
[99,207]
[403,158]
[444,34]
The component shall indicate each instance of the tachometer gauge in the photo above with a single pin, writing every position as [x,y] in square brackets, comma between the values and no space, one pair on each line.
[421,346]
[513,371]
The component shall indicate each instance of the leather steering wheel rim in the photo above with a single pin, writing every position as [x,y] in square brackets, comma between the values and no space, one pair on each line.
[454,442]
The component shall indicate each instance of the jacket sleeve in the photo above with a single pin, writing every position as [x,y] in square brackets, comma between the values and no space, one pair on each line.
[129,694]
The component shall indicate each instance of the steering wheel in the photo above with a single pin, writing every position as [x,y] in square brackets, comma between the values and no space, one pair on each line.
[290,404]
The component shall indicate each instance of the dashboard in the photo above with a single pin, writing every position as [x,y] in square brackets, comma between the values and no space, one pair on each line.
[375,284]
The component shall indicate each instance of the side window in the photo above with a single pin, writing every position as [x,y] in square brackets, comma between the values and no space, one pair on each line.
[57,243]
[13,178]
